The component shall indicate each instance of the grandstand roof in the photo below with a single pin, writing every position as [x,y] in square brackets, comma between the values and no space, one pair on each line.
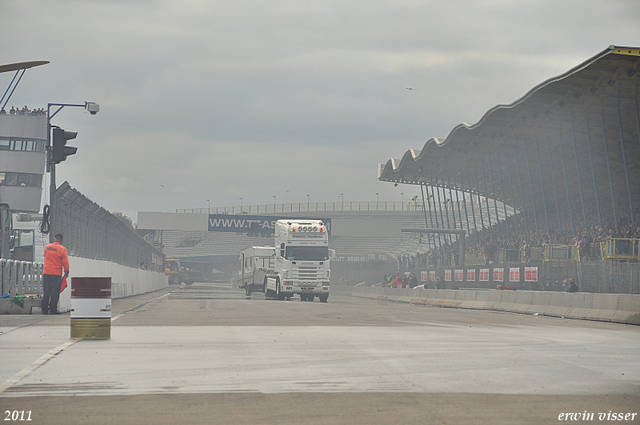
[568,142]
[21,65]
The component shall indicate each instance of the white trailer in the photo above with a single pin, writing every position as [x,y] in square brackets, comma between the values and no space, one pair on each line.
[254,264]
[302,261]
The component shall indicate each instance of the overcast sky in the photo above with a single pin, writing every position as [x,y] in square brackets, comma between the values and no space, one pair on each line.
[231,99]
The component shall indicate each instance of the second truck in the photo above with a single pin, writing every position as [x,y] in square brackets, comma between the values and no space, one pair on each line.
[298,263]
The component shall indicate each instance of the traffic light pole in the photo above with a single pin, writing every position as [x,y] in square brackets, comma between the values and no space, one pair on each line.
[51,167]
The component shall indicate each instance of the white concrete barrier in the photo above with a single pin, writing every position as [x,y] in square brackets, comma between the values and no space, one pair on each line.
[623,308]
[125,281]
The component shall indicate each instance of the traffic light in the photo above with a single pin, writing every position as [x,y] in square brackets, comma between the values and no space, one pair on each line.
[60,150]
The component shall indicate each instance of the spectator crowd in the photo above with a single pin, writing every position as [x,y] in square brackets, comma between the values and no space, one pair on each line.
[512,234]
[23,111]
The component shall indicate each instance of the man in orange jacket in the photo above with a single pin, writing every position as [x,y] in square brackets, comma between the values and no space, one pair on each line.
[55,261]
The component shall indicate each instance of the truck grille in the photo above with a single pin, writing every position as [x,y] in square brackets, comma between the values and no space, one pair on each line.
[307,273]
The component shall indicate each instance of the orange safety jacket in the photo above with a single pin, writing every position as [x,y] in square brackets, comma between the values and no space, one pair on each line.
[397,283]
[55,259]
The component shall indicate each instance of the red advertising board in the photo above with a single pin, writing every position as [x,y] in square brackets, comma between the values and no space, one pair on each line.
[530,274]
[447,275]
[459,275]
[498,275]
[484,275]
[514,274]
[471,275]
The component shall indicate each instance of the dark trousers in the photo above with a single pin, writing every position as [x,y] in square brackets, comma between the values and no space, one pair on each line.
[51,287]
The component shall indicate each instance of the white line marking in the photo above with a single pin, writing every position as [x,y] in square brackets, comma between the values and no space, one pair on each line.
[42,360]
[45,358]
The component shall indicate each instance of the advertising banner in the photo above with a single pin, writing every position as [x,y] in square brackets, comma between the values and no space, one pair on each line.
[498,275]
[258,224]
[530,274]
[514,274]
[447,275]
[484,275]
[471,275]
[432,276]
[459,275]
[423,276]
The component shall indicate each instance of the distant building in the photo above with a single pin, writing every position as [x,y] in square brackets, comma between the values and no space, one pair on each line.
[23,140]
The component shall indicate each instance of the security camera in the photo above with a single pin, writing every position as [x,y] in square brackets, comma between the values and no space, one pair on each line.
[92,107]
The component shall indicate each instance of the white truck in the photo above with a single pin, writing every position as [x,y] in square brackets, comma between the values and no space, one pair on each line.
[299,263]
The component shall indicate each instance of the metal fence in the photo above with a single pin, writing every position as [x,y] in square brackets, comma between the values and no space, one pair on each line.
[92,232]
[20,277]
[412,205]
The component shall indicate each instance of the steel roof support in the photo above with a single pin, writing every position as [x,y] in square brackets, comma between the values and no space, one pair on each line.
[533,200]
[466,213]
[504,199]
[10,85]
[495,202]
[433,214]
[424,209]
[555,187]
[544,198]
[575,148]
[524,206]
[458,202]
[435,208]
[440,207]
[486,199]
[566,184]
[453,210]
[593,172]
[513,199]
[635,101]
[479,201]
[461,233]
[606,154]
[473,210]
[626,169]
[446,210]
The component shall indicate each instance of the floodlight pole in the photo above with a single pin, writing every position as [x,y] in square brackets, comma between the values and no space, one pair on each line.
[93,108]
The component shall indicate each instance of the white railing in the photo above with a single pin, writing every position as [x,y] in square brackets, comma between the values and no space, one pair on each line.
[346,206]
[20,277]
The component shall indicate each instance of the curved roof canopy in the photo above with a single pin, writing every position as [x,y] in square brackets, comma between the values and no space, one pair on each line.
[21,65]
[570,143]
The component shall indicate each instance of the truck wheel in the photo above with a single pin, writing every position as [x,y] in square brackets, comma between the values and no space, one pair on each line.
[268,293]
[323,298]
[175,280]
[279,294]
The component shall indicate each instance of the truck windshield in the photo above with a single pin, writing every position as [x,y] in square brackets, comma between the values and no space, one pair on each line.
[307,253]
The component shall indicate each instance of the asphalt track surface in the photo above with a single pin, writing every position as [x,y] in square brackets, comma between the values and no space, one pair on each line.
[204,354]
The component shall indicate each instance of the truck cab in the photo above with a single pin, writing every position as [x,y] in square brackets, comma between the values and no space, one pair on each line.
[302,261]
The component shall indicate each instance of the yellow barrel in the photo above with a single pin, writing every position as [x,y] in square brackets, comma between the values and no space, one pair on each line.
[91,328]
[91,307]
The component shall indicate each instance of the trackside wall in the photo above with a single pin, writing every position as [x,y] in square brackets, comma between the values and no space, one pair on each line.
[125,282]
[621,308]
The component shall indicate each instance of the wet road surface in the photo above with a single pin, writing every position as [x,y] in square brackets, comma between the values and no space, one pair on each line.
[214,356]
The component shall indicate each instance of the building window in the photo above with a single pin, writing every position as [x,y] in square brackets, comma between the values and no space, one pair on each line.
[22,145]
[21,179]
